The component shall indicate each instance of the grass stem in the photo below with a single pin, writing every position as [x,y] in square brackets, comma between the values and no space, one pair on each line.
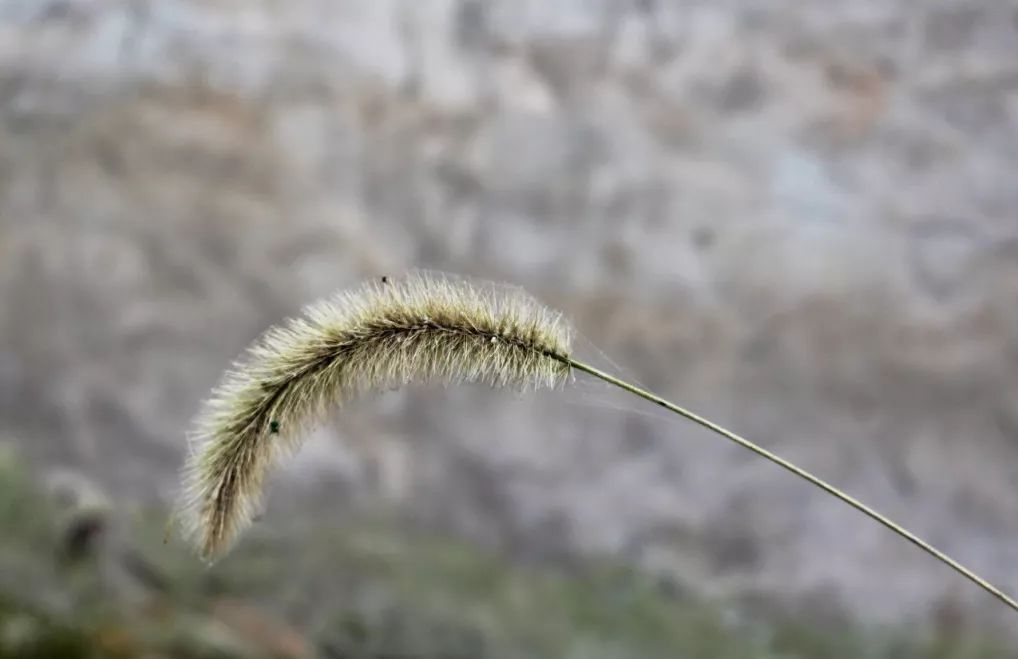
[801,473]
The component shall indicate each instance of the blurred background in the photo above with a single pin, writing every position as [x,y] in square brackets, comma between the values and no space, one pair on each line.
[798,218]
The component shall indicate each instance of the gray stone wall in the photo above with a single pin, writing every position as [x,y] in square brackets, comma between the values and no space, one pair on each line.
[800,218]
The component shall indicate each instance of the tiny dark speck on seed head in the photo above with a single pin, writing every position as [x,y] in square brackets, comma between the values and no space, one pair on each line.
[385,279]
[274,427]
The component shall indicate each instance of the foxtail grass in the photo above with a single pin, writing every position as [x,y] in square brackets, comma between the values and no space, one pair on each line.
[383,335]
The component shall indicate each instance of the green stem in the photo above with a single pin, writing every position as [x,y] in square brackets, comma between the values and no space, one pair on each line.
[801,473]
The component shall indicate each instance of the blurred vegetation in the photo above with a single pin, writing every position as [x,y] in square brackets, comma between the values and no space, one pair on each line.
[76,582]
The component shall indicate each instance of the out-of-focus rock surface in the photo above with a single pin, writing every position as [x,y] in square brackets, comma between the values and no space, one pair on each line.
[798,218]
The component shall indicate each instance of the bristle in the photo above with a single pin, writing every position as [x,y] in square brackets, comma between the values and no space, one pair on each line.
[420,328]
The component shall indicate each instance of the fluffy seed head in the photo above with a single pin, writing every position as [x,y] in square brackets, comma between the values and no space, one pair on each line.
[418,328]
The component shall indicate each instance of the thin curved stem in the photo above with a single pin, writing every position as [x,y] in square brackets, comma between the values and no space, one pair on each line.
[801,473]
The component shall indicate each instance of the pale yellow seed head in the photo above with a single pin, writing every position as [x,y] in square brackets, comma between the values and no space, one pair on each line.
[419,328]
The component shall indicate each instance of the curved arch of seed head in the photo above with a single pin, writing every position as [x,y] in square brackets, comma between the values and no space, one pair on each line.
[387,333]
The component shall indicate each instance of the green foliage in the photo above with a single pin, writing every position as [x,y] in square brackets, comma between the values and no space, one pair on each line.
[374,591]
[26,634]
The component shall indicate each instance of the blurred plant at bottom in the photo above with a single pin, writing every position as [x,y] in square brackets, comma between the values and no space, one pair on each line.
[83,578]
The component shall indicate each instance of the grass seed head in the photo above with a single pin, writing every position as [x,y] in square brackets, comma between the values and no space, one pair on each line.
[418,328]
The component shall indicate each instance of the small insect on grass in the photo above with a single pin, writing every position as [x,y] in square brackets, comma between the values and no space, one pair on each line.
[421,327]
